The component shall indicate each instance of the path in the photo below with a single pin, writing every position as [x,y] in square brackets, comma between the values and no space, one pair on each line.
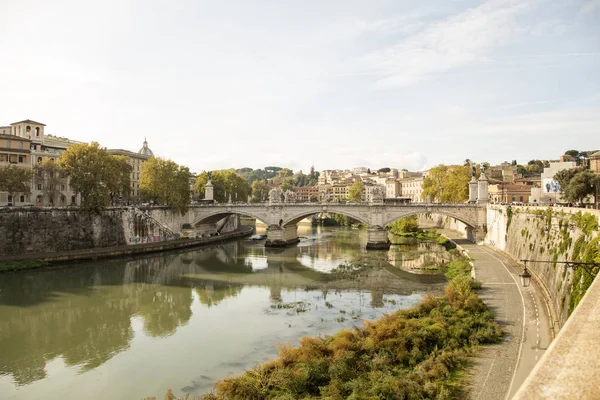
[493,374]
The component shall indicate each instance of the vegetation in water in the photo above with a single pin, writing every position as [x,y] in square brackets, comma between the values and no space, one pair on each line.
[411,354]
[21,264]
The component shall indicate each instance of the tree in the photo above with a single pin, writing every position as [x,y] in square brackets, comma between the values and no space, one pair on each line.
[405,225]
[447,184]
[580,185]
[356,191]
[225,182]
[96,174]
[565,176]
[15,180]
[51,177]
[259,191]
[285,186]
[572,153]
[165,182]
[384,170]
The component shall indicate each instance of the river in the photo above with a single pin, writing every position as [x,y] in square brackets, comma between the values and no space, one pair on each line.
[134,327]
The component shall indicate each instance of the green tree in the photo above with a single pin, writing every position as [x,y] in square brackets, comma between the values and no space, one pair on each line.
[165,182]
[447,184]
[259,191]
[95,174]
[15,180]
[565,176]
[384,170]
[572,153]
[225,182]
[285,186]
[405,225]
[580,186]
[51,177]
[356,191]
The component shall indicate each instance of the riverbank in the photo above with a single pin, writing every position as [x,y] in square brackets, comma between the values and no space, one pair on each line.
[40,260]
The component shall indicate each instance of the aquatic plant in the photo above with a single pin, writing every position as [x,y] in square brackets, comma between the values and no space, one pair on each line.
[413,353]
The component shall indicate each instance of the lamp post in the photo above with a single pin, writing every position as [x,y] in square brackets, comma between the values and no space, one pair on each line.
[525,276]
[589,268]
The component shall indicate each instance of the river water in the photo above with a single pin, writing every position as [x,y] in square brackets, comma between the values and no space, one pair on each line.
[134,327]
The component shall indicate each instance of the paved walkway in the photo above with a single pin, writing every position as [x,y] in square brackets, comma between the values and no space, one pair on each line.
[493,374]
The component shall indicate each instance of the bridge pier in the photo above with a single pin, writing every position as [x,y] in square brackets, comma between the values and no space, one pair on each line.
[206,229]
[378,238]
[281,236]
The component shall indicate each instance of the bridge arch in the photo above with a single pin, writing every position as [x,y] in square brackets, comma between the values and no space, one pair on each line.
[467,220]
[215,216]
[294,219]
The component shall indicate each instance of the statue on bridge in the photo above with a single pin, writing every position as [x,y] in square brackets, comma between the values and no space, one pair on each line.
[275,195]
[377,194]
[290,196]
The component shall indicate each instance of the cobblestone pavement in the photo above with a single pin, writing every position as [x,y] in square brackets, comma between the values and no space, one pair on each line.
[492,374]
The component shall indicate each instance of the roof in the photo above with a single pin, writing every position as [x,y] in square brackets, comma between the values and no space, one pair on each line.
[13,137]
[146,150]
[595,155]
[28,121]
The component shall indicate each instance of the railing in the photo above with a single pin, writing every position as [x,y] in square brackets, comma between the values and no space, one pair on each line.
[335,204]
[140,213]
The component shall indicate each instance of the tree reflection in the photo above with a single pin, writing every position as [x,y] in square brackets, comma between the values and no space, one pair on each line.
[212,294]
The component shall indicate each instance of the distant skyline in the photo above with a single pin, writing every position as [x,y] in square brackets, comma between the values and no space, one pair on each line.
[334,84]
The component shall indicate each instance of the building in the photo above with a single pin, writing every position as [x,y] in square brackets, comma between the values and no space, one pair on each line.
[60,193]
[306,194]
[508,192]
[412,188]
[136,160]
[505,172]
[392,188]
[549,192]
[15,151]
[595,162]
[40,147]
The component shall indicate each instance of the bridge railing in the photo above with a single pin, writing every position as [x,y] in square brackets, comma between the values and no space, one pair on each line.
[335,204]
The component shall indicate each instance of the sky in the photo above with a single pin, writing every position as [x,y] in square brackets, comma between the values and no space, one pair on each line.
[334,84]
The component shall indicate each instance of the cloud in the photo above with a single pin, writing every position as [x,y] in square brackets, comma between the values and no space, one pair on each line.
[460,40]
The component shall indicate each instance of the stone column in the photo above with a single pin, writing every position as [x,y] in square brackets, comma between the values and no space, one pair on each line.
[378,238]
[482,189]
[208,191]
[473,190]
[281,236]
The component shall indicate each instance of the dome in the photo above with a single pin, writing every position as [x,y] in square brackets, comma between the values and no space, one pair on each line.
[146,150]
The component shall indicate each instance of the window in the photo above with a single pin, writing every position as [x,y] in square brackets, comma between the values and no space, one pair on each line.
[9,198]
[39,160]
[39,186]
[27,129]
[39,199]
[73,200]
[22,200]
[20,145]
[8,144]
[37,131]
[21,159]
[62,187]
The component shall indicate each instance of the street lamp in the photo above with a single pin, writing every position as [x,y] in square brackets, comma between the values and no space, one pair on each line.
[589,268]
[525,275]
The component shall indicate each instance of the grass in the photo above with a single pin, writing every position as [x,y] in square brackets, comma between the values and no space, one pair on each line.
[418,353]
[22,264]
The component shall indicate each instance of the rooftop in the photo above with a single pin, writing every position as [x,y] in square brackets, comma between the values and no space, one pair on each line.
[28,121]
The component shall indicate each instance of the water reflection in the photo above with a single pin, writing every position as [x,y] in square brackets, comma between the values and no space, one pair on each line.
[84,314]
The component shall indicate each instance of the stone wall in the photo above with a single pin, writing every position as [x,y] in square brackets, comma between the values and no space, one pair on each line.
[40,230]
[550,234]
[49,230]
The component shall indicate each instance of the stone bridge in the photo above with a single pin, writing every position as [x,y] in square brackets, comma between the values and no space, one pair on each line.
[281,217]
